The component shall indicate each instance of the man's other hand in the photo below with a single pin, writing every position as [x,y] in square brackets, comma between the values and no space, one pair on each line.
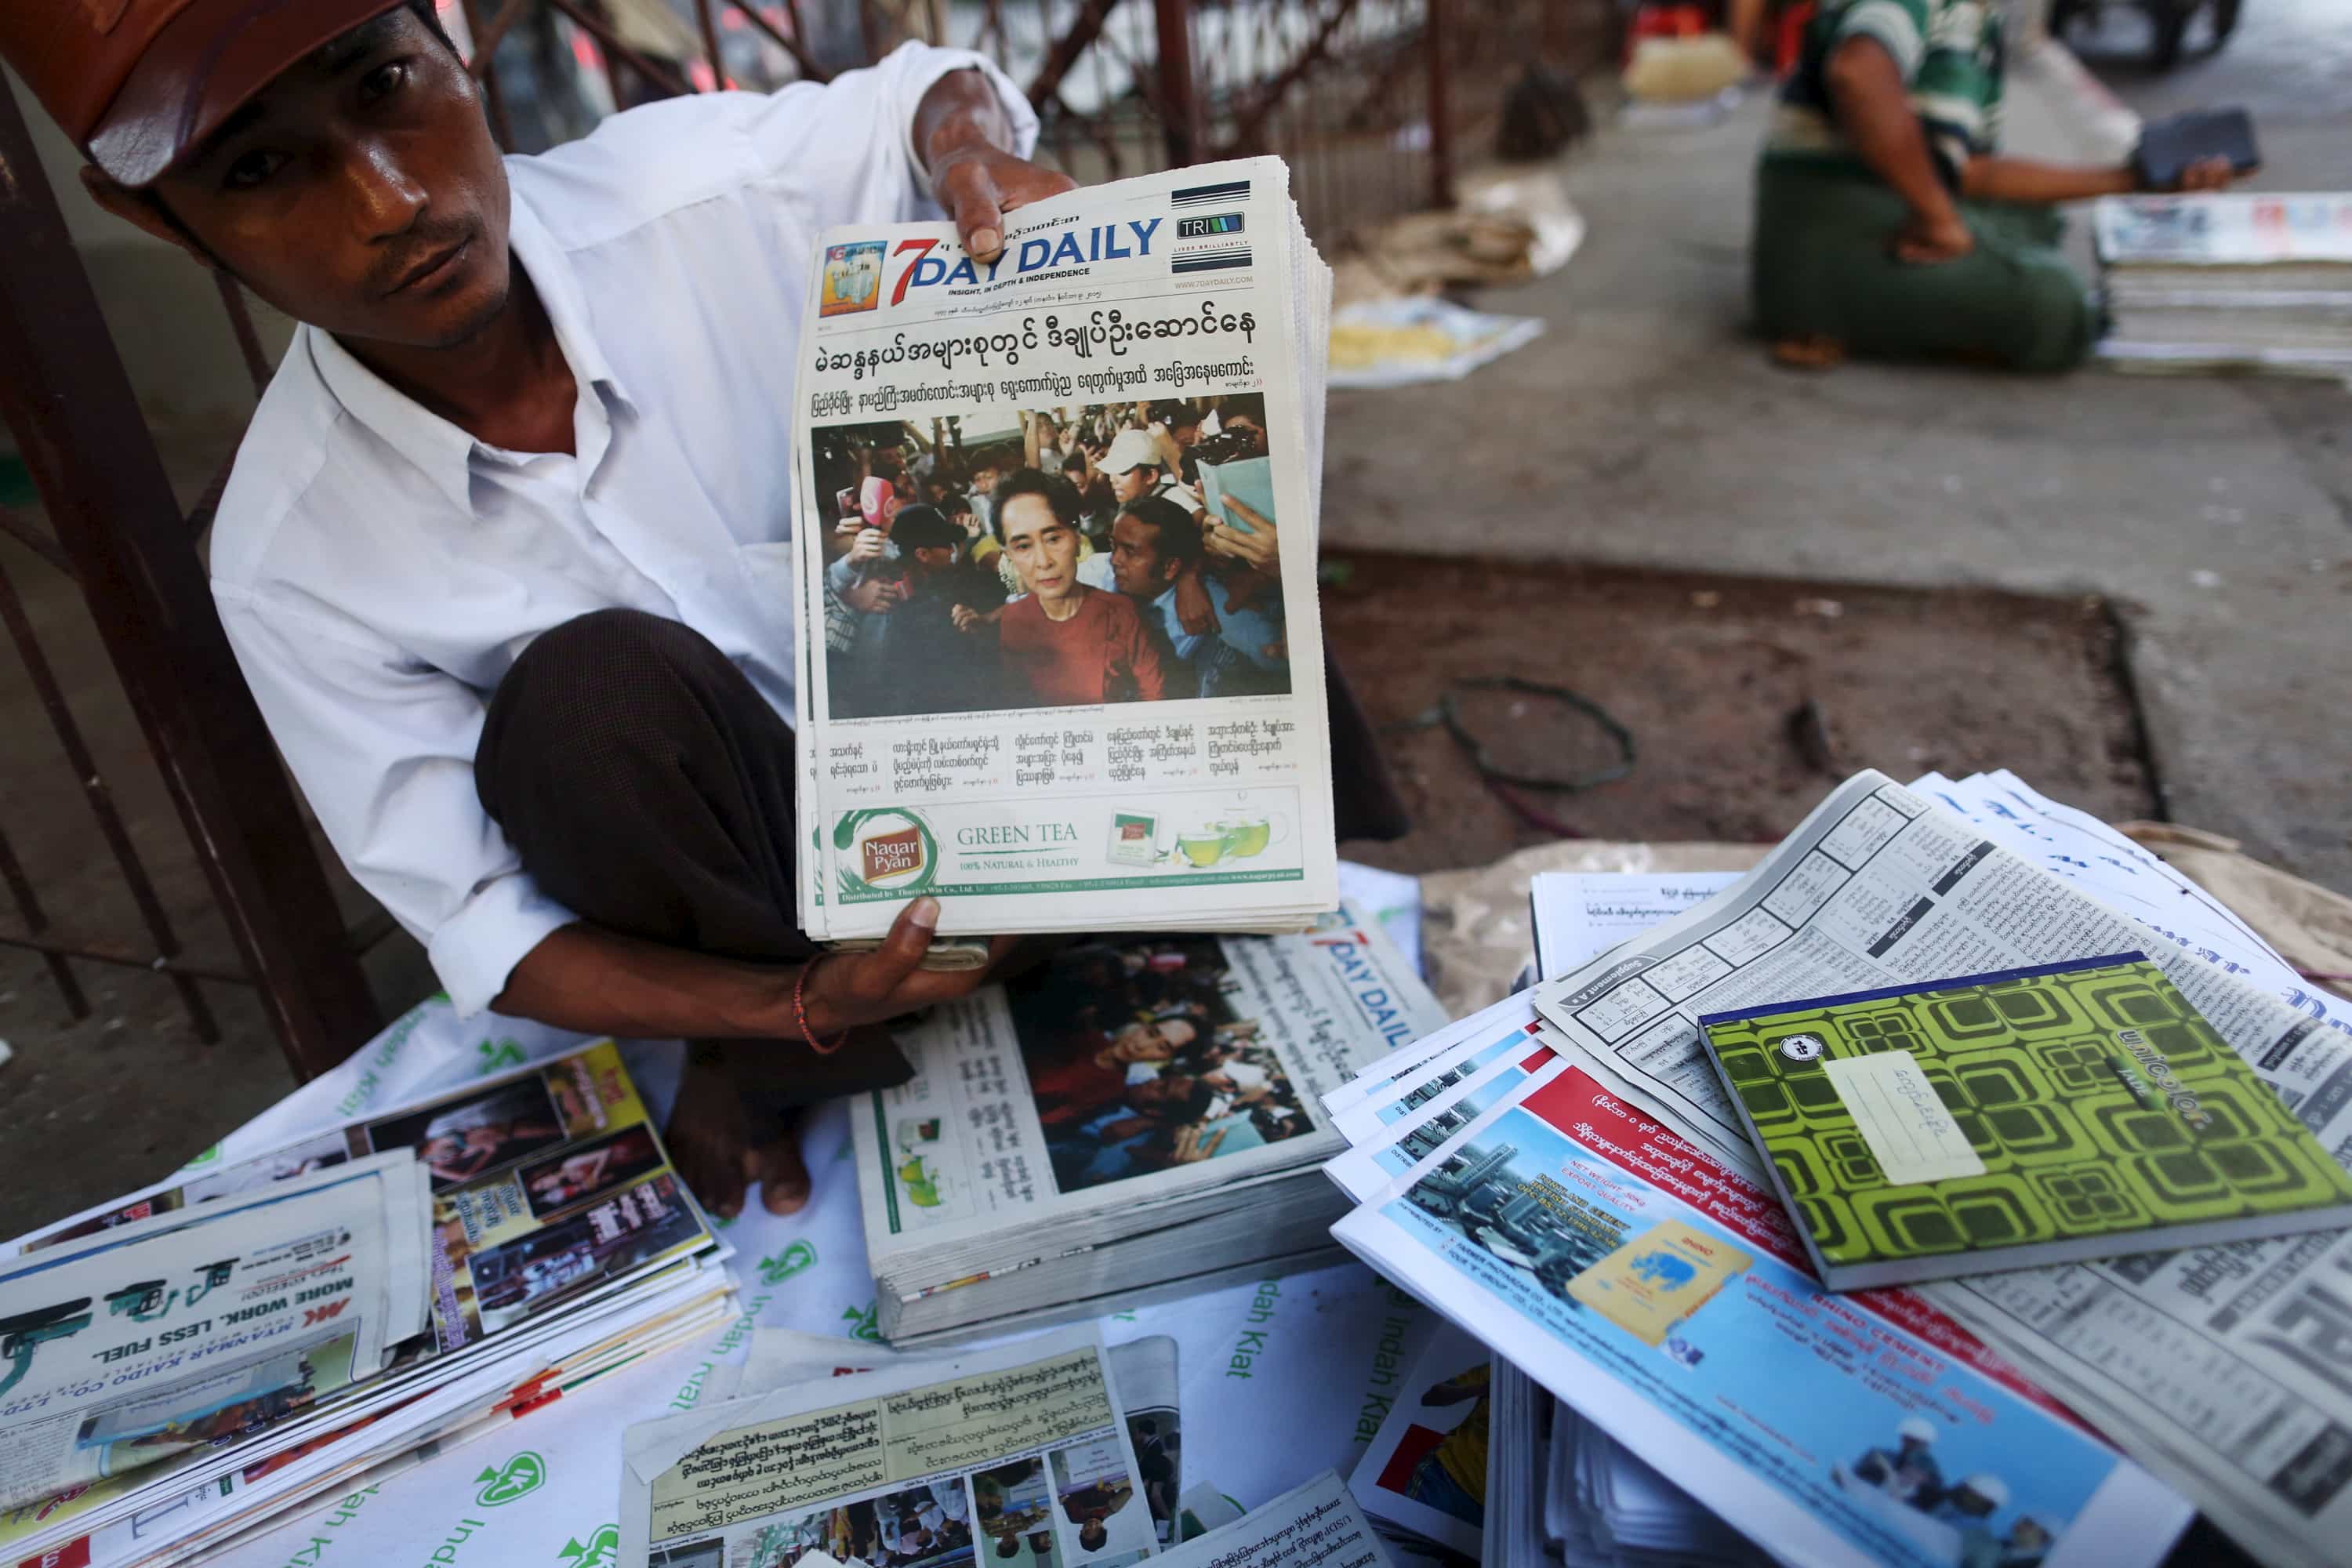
[1926,241]
[868,545]
[850,989]
[978,185]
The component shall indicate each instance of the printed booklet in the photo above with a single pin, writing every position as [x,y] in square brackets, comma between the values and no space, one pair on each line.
[1664,1298]
[1059,659]
[2012,1120]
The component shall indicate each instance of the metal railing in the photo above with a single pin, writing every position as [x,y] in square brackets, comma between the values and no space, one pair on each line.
[1370,101]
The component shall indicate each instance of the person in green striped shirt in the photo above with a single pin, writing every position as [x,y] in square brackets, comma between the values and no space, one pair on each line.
[1889,225]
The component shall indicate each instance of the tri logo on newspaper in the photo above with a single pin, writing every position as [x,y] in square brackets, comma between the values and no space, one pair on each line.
[1217,248]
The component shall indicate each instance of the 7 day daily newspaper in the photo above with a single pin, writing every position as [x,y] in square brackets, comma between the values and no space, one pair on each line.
[1133,1083]
[2228,1370]
[1024,1445]
[1021,719]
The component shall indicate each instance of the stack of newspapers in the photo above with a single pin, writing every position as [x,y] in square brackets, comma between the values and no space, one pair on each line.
[2252,281]
[1060,662]
[1564,1177]
[1049,1450]
[180,1369]
[1142,1114]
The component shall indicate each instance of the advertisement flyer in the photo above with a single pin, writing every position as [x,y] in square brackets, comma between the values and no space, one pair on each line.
[1664,1297]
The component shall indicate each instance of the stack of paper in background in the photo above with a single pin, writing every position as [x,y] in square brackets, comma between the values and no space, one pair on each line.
[183,1367]
[1141,1114]
[2260,282]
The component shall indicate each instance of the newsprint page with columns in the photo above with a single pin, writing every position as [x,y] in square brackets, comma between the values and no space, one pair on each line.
[1012,694]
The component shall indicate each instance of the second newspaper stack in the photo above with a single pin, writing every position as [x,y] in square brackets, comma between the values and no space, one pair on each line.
[1060,662]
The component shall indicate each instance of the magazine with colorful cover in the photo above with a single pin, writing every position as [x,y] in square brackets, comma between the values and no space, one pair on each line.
[1424,1471]
[2030,1115]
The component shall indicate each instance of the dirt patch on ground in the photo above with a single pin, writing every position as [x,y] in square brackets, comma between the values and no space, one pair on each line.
[1745,699]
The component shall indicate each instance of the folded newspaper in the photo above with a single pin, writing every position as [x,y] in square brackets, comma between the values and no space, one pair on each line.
[203,1357]
[1024,1446]
[1059,659]
[1143,1111]
[132,1345]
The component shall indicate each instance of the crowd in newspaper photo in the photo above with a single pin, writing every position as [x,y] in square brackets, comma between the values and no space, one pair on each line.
[1138,1061]
[1052,558]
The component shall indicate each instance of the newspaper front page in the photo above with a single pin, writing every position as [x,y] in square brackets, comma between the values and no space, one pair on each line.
[175,1333]
[1009,698]
[1666,1298]
[2226,1369]
[926,1461]
[1129,1071]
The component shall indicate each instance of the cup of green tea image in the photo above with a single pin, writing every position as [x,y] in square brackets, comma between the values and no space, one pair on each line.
[1203,846]
[1248,836]
[1249,833]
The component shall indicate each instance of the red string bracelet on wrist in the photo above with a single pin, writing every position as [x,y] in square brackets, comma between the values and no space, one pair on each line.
[799,1011]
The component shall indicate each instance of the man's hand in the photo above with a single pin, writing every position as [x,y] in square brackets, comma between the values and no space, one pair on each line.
[1925,241]
[1261,550]
[846,990]
[968,619]
[1195,611]
[2207,175]
[1190,1149]
[878,597]
[868,545]
[966,144]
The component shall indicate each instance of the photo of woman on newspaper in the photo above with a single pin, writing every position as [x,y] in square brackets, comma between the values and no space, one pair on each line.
[1136,1061]
[1017,558]
[459,1139]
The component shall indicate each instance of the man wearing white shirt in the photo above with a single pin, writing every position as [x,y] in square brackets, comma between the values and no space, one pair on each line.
[505,553]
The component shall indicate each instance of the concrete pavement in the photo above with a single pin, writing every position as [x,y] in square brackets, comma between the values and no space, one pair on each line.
[1646,429]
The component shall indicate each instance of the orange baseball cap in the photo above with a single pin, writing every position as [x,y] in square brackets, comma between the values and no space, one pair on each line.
[137,83]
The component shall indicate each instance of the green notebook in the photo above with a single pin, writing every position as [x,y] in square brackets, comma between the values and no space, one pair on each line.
[2035,1115]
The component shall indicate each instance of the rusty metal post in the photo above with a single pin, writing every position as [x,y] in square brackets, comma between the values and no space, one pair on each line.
[486,44]
[1180,89]
[710,26]
[1440,109]
[64,390]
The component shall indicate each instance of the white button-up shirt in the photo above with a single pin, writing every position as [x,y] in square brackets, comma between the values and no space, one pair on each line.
[379,570]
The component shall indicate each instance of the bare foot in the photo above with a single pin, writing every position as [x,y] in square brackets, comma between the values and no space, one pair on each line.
[709,1133]
[776,1165]
[1815,353]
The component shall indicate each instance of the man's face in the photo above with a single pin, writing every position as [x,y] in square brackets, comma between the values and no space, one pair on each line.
[934,557]
[360,192]
[1137,565]
[984,481]
[1134,484]
[1042,548]
[1154,1094]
